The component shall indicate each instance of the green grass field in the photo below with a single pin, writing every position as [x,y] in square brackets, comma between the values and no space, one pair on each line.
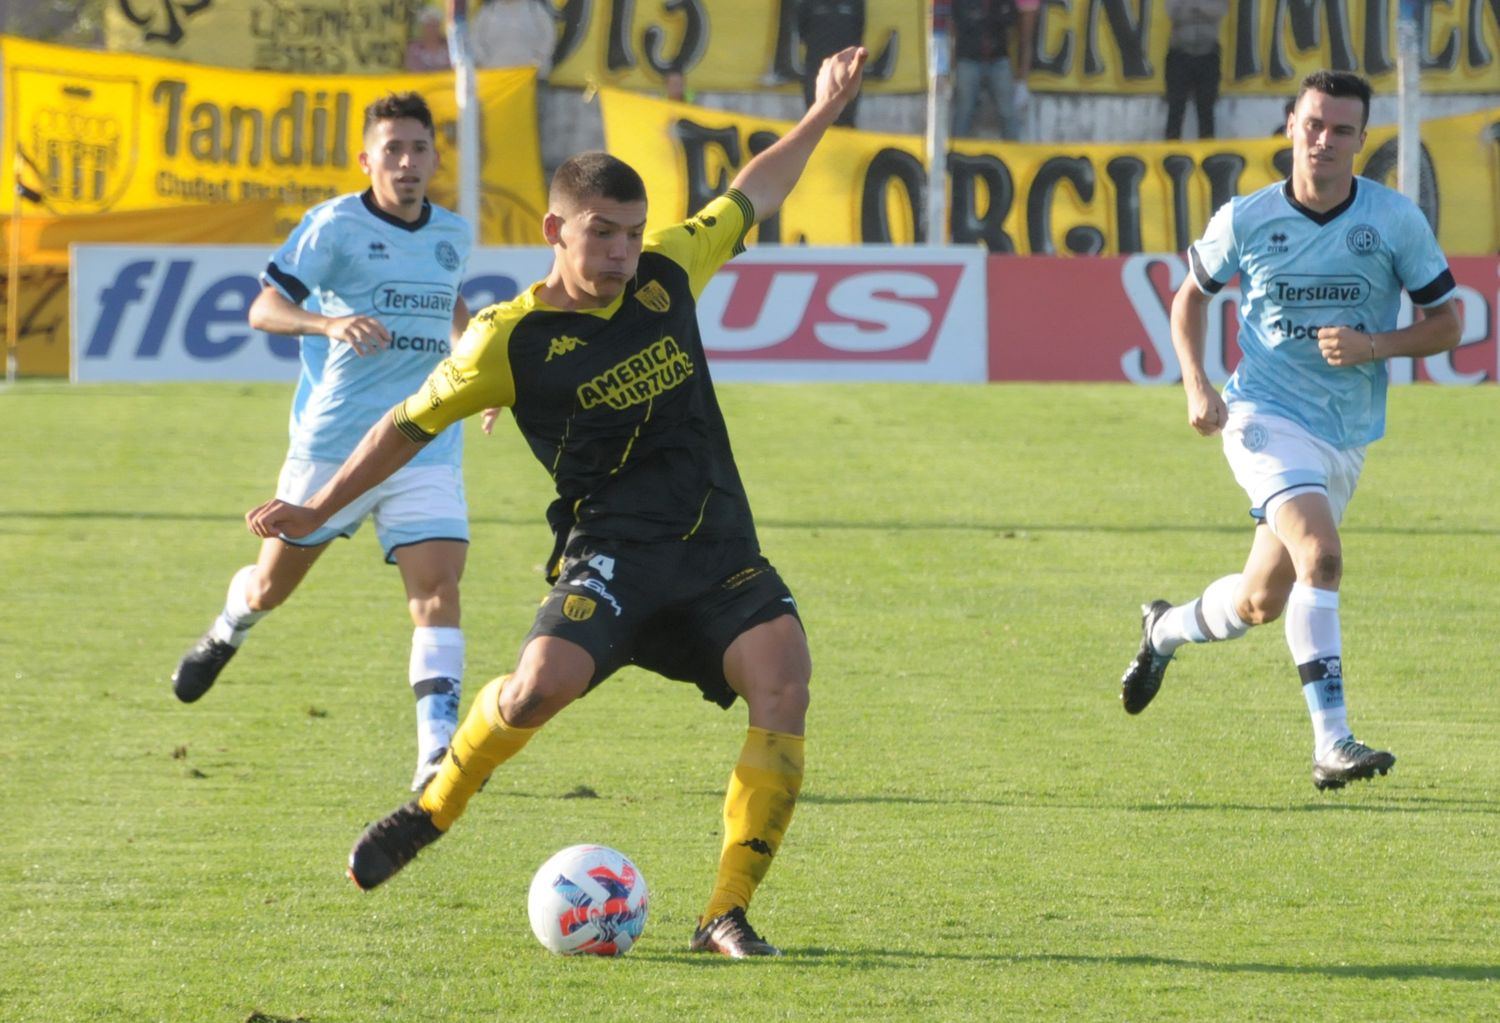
[983,834]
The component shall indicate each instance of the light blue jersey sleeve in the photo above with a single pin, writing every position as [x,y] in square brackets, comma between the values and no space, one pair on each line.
[1420,264]
[1213,260]
[307,258]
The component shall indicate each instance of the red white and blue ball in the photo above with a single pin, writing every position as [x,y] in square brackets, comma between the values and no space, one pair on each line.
[588,900]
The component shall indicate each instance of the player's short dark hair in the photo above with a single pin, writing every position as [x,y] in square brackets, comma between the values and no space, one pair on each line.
[395,105]
[1339,84]
[594,175]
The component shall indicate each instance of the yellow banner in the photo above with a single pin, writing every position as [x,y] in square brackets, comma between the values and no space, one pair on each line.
[42,293]
[725,45]
[319,37]
[117,132]
[1268,45]
[1041,199]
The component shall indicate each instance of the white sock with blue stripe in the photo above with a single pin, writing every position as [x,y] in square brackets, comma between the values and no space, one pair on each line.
[437,668]
[1313,636]
[1210,618]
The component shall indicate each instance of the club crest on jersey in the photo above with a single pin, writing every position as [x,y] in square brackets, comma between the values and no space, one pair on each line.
[578,609]
[1362,239]
[563,345]
[447,256]
[654,297]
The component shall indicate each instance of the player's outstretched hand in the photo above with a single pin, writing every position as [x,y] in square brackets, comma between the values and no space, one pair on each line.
[1345,346]
[277,518]
[1207,412]
[365,334]
[840,76]
[487,420]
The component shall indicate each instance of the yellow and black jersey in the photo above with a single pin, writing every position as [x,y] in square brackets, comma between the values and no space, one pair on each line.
[615,402]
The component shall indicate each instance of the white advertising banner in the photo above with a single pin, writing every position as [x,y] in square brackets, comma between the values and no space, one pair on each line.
[162,313]
[866,313]
[156,313]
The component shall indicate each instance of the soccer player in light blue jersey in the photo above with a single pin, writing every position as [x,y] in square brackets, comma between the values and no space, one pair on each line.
[371,282]
[1322,260]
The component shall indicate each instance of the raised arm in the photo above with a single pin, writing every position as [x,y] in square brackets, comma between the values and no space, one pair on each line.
[768,179]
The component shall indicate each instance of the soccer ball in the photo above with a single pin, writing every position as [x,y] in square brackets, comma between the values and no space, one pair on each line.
[588,900]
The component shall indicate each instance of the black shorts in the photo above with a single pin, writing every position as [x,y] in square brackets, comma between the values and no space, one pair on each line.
[671,607]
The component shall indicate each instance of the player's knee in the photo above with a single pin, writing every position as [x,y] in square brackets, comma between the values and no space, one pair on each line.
[1261,605]
[782,698]
[262,594]
[530,700]
[434,605]
[1322,566]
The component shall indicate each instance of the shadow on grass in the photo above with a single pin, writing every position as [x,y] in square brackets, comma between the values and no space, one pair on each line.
[886,958]
[1399,804]
[894,526]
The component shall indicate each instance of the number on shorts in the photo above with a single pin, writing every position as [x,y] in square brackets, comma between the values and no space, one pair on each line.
[604,565]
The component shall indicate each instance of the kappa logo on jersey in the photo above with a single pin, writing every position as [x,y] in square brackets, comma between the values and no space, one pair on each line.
[1362,240]
[579,609]
[707,221]
[563,345]
[378,251]
[652,371]
[654,297]
[447,256]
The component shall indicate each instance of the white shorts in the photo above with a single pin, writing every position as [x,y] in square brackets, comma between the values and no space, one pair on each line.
[1275,459]
[417,503]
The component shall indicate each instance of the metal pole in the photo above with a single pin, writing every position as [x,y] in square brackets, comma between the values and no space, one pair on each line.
[13,290]
[1409,94]
[467,95]
[937,122]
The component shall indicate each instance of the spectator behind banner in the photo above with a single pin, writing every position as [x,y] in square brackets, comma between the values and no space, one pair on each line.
[1193,65]
[514,33]
[428,49]
[982,63]
[826,27]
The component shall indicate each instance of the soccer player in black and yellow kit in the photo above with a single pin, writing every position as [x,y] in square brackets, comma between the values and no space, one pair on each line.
[656,562]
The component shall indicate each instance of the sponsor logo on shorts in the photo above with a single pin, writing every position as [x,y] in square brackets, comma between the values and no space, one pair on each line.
[597,586]
[1255,437]
[563,345]
[741,577]
[654,297]
[579,609]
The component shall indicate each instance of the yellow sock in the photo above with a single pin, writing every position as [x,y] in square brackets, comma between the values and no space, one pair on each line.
[757,809]
[482,743]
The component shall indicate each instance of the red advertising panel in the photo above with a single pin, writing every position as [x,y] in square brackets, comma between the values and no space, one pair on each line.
[1107,318]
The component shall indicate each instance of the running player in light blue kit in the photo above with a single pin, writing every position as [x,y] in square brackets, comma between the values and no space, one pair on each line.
[384,266]
[1322,259]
